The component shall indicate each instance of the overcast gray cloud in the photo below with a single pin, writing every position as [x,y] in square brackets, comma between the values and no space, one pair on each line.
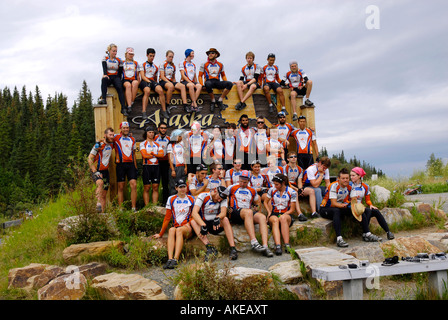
[380,94]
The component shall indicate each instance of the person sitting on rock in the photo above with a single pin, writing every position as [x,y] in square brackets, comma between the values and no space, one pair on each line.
[210,216]
[280,204]
[178,208]
[361,191]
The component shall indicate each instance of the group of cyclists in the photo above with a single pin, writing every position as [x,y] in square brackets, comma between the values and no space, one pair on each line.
[128,76]
[212,179]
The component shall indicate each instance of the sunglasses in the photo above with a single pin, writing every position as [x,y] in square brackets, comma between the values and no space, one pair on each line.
[292,157]
[237,163]
[260,122]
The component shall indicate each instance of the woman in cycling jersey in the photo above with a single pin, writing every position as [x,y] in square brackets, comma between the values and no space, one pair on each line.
[112,72]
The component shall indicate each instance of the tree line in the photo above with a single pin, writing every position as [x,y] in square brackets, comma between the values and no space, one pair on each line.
[40,140]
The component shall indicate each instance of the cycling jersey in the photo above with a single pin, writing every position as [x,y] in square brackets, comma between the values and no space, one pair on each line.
[248,72]
[335,191]
[124,148]
[112,65]
[163,142]
[217,151]
[303,140]
[256,181]
[102,155]
[281,202]
[169,69]
[130,70]
[150,70]
[244,140]
[360,191]
[178,154]
[189,68]
[232,175]
[195,184]
[285,130]
[212,70]
[242,198]
[213,183]
[209,209]
[293,173]
[271,74]
[269,173]
[197,144]
[229,147]
[179,209]
[295,78]
[146,148]
[261,140]
[311,173]
[276,147]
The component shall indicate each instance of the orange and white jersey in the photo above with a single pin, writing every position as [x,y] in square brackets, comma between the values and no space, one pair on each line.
[285,130]
[248,72]
[335,191]
[163,143]
[295,79]
[232,175]
[293,173]
[217,150]
[180,209]
[257,181]
[146,147]
[212,70]
[360,191]
[304,139]
[229,148]
[131,70]
[124,148]
[311,173]
[242,198]
[197,143]
[282,201]
[195,184]
[102,155]
[112,65]
[150,70]
[244,140]
[271,74]
[214,183]
[209,209]
[261,140]
[189,69]
[276,147]
[169,69]
[269,173]
[178,152]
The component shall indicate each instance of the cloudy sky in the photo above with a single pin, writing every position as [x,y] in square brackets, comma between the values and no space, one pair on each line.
[380,73]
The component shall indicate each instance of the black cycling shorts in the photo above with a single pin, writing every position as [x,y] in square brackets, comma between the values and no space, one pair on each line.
[272,86]
[209,224]
[151,85]
[106,179]
[217,84]
[301,91]
[163,83]
[151,174]
[126,169]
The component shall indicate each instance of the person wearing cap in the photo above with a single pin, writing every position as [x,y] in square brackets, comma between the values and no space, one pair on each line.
[314,176]
[112,73]
[163,140]
[131,79]
[197,140]
[167,73]
[280,203]
[178,209]
[299,84]
[177,159]
[210,74]
[197,183]
[100,154]
[151,153]
[188,78]
[126,163]
[244,203]
[250,74]
[336,204]
[271,81]
[361,192]
[307,149]
[149,74]
[210,216]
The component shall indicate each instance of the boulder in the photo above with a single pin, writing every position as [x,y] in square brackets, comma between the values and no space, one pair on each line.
[408,246]
[302,290]
[288,271]
[382,194]
[241,273]
[93,269]
[71,286]
[427,210]
[48,274]
[438,239]
[116,286]
[66,225]
[20,277]
[77,251]
[394,215]
[371,252]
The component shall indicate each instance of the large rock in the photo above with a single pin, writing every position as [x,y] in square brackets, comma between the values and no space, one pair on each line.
[288,271]
[302,290]
[116,286]
[408,246]
[371,252]
[394,215]
[382,194]
[67,225]
[70,286]
[20,277]
[78,251]
[438,239]
[93,269]
[241,273]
